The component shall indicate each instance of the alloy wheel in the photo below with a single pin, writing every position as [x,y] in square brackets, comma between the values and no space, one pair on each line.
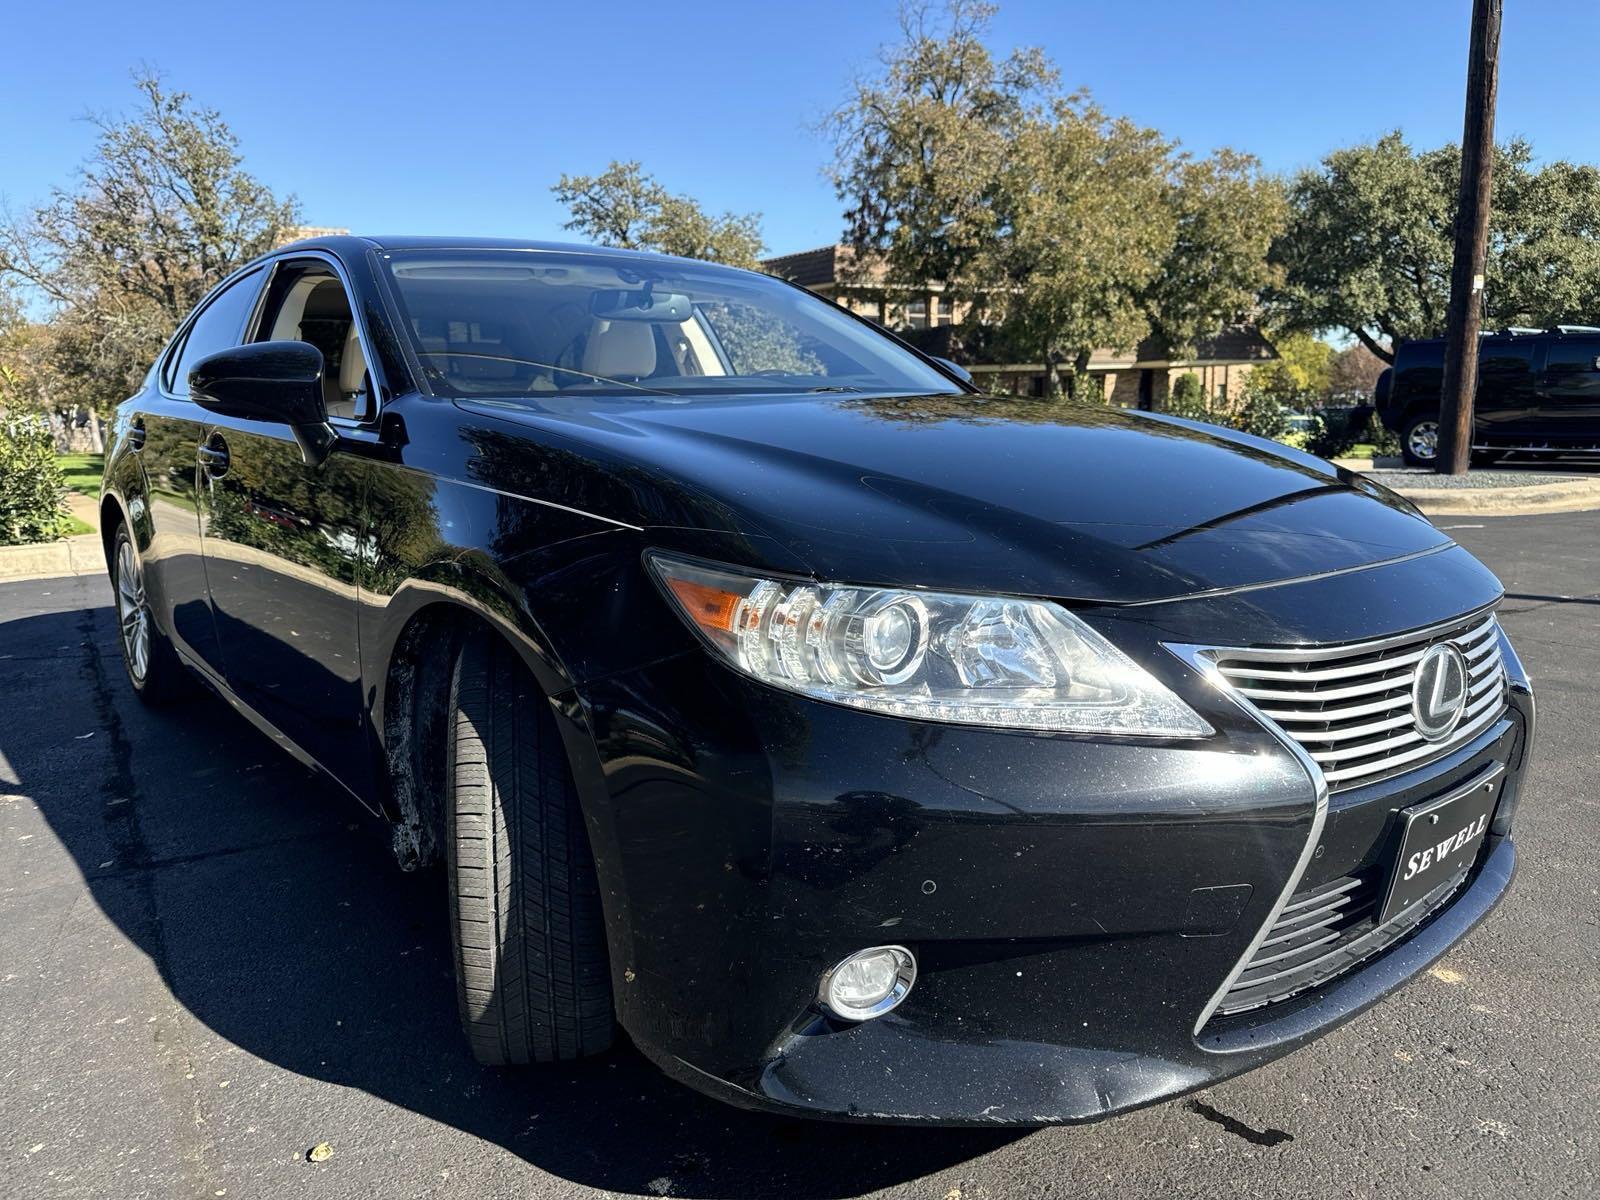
[133,612]
[1423,440]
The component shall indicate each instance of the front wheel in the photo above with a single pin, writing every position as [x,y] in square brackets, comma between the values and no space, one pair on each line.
[532,976]
[1419,441]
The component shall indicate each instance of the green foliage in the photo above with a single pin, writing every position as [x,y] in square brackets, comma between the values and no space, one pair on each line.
[1226,212]
[1187,398]
[919,149]
[1299,374]
[1334,433]
[1261,414]
[31,487]
[81,473]
[1069,227]
[1369,242]
[1385,442]
[624,207]
[1065,294]
[161,212]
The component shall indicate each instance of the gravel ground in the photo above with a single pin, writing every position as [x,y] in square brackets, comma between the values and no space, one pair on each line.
[208,967]
[1419,477]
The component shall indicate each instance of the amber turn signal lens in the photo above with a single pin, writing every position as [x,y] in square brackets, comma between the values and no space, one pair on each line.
[709,607]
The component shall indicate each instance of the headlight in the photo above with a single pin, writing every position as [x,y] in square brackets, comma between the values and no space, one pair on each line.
[970,660]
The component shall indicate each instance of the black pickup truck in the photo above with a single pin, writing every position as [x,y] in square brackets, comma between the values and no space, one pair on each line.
[1538,391]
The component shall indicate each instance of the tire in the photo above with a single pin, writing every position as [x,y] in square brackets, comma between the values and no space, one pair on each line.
[155,672]
[533,980]
[1419,440]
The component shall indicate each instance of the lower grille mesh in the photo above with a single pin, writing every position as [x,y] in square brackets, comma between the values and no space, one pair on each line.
[1323,932]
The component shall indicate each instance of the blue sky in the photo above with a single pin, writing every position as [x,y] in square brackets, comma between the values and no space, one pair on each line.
[457,118]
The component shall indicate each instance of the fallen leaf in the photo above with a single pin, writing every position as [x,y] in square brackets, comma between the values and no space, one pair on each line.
[321,1152]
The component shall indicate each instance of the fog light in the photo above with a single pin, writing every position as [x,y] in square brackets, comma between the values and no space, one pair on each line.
[868,983]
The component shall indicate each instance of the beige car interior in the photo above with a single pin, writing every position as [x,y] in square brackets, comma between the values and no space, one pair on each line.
[316,310]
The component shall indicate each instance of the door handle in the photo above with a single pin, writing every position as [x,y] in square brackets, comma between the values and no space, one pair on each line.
[214,456]
[136,434]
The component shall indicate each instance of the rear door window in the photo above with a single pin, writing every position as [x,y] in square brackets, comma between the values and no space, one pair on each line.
[1569,362]
[219,326]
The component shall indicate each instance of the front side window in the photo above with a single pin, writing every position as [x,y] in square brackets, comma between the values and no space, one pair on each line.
[219,326]
[308,303]
[1504,363]
[513,322]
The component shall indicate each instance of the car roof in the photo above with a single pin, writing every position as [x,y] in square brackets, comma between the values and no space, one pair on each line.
[349,244]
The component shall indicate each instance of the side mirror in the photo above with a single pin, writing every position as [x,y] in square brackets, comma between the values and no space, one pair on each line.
[277,382]
[954,368]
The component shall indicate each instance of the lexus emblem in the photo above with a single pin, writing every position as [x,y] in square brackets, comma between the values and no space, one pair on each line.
[1439,696]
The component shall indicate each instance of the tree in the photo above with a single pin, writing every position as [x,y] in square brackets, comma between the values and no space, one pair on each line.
[1367,248]
[161,212]
[1227,212]
[624,207]
[1039,213]
[1354,372]
[1301,371]
[1084,200]
[920,147]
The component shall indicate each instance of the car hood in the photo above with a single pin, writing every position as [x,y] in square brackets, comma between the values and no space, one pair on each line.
[960,492]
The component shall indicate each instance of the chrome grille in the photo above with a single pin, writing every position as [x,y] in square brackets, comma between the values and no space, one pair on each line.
[1351,707]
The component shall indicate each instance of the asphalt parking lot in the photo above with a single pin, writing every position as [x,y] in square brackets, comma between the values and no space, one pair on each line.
[208,965]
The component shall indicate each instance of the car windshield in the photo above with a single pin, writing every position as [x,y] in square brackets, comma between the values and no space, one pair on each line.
[514,322]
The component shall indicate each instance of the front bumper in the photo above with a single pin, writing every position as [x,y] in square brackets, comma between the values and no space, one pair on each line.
[1074,904]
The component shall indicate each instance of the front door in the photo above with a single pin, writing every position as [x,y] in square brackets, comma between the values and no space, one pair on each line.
[282,541]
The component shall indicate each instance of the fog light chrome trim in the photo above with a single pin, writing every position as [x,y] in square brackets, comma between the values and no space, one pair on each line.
[905,976]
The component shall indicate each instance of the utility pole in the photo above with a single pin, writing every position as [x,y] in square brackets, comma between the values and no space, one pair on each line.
[1472,242]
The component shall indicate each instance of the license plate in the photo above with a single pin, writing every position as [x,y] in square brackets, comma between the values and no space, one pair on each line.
[1440,838]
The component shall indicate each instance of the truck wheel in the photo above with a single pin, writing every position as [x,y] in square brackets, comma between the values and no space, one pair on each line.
[532,977]
[154,669]
[1419,441]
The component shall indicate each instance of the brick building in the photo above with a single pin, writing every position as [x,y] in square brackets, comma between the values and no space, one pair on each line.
[931,321]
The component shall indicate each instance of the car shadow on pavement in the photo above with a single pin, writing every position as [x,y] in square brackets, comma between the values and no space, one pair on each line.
[276,916]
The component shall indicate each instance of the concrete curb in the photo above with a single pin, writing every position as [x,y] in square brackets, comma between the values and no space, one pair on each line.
[1574,495]
[81,555]
[1568,495]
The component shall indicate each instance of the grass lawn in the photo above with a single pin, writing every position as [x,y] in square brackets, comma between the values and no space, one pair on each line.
[83,472]
[70,526]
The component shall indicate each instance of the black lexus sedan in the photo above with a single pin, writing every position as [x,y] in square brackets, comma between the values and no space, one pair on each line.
[861,745]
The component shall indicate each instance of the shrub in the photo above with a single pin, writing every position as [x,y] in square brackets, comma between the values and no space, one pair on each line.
[1385,442]
[31,484]
[1262,414]
[1187,399]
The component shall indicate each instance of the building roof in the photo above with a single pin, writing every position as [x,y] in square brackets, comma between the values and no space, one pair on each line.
[808,268]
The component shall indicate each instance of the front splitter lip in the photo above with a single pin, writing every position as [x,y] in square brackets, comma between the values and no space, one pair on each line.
[1029,1084]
